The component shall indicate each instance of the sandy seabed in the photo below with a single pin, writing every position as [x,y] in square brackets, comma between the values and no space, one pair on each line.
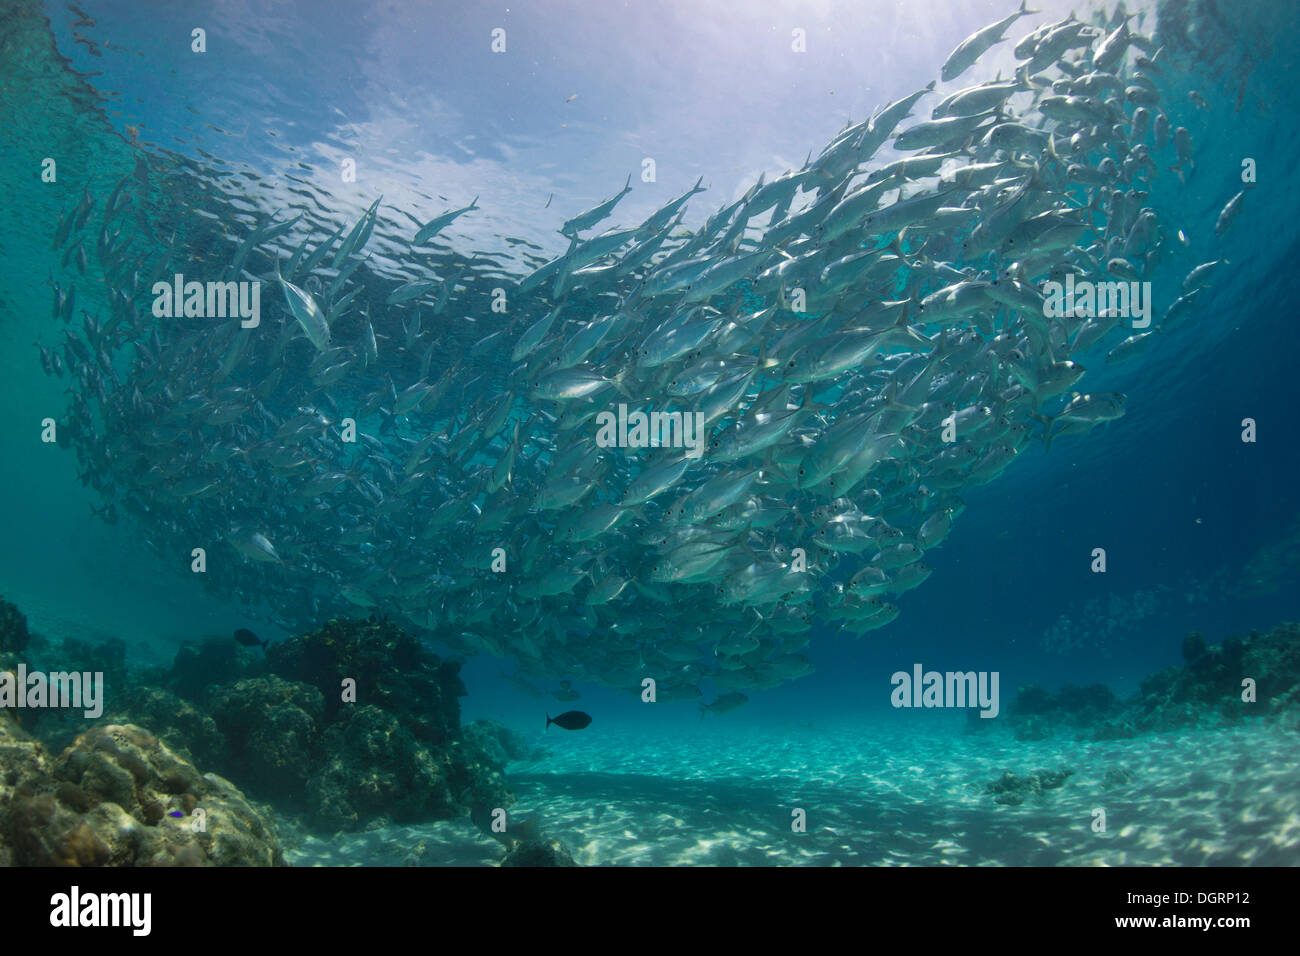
[1223,797]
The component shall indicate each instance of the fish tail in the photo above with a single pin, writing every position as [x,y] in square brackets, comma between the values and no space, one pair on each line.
[548,722]
[617,382]
[1048,421]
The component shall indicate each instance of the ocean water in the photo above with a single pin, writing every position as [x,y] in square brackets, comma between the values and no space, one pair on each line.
[286,112]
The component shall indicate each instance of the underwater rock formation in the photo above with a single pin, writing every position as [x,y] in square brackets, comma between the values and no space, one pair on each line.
[1012,790]
[215,660]
[278,723]
[182,726]
[1037,713]
[398,754]
[22,758]
[271,727]
[120,797]
[392,670]
[376,772]
[58,727]
[538,853]
[14,635]
[501,744]
[1205,690]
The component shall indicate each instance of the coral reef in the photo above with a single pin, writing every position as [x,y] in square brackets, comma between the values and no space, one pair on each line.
[120,797]
[215,660]
[22,758]
[500,744]
[392,670]
[271,727]
[1206,690]
[58,727]
[396,754]
[1037,713]
[376,773]
[14,635]
[181,725]
[352,726]
[287,726]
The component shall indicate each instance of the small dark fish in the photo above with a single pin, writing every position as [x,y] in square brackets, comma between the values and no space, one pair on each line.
[176,813]
[569,720]
[247,638]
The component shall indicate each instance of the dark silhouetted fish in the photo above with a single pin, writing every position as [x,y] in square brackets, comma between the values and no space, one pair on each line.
[248,639]
[569,720]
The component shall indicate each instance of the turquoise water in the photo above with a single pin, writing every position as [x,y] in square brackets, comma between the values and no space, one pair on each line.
[272,121]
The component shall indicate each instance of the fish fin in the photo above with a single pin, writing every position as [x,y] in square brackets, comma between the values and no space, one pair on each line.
[1051,151]
[891,399]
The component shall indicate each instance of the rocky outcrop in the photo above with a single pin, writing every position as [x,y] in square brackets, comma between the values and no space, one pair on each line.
[538,853]
[120,797]
[1012,790]
[351,726]
[1205,690]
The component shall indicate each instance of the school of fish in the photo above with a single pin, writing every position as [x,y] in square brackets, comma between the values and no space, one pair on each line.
[833,327]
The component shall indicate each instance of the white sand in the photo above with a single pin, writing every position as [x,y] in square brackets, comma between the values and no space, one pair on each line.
[877,796]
